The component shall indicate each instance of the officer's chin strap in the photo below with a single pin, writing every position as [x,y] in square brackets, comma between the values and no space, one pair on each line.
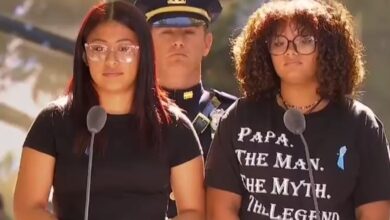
[202,121]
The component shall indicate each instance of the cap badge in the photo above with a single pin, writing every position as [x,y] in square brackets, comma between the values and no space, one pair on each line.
[176,2]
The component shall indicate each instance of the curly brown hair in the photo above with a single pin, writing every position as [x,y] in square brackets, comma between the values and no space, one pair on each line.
[340,66]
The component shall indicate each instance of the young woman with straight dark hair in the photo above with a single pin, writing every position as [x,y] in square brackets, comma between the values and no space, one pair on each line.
[146,145]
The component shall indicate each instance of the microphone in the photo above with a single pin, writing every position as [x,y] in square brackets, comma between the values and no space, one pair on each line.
[96,119]
[295,122]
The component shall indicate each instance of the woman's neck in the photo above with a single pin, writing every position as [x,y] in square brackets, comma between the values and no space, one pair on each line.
[302,98]
[299,95]
[116,103]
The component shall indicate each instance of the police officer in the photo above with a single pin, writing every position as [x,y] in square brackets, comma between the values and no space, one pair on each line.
[182,39]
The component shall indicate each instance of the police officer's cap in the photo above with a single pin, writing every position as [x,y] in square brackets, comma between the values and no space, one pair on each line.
[179,13]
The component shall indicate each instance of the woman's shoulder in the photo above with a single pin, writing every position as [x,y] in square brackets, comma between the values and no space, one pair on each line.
[362,113]
[177,116]
[247,106]
[56,108]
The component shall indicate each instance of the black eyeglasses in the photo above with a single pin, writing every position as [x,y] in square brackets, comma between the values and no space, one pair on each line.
[304,45]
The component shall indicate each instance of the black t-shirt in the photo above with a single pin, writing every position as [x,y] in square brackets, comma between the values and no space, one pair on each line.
[129,181]
[255,156]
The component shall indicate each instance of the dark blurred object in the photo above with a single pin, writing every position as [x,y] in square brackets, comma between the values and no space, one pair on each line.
[37,35]
[3,216]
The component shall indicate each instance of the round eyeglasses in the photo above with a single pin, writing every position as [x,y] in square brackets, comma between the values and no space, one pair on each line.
[303,45]
[123,52]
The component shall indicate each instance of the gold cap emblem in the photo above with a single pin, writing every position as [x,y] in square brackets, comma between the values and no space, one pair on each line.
[176,2]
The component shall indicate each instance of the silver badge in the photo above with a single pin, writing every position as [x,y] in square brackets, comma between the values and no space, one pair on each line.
[215,116]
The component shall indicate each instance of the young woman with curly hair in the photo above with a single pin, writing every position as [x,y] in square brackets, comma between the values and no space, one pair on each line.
[299,54]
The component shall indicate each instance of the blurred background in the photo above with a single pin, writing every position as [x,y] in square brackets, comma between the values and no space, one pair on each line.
[32,74]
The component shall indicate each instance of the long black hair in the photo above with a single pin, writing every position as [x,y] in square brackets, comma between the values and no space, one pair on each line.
[150,103]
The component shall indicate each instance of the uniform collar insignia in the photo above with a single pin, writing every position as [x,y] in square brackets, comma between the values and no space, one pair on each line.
[188,95]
